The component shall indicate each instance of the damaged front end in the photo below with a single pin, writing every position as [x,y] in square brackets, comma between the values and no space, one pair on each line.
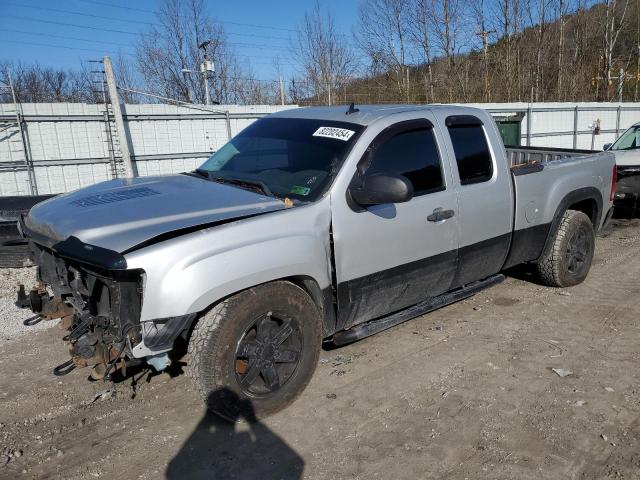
[98,307]
[98,301]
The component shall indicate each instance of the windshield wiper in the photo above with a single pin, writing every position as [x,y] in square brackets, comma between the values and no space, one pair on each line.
[255,185]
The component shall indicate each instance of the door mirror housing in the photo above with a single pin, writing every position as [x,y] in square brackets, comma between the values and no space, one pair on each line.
[606,146]
[378,189]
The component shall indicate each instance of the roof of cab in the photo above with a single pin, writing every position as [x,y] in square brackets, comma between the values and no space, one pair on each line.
[366,114]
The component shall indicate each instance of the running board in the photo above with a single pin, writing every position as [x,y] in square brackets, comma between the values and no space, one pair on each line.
[374,326]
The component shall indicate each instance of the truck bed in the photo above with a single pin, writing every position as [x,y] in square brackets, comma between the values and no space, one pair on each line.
[520,155]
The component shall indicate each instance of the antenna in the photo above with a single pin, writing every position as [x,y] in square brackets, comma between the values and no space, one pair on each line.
[352,109]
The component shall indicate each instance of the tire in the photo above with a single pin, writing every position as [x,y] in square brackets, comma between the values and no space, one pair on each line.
[569,259]
[236,346]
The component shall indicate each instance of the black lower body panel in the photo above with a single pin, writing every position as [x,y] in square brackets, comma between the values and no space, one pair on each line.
[527,244]
[374,326]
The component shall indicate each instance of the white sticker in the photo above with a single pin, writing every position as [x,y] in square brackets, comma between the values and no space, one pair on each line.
[333,132]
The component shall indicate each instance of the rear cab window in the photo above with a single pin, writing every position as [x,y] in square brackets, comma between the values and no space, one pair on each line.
[471,149]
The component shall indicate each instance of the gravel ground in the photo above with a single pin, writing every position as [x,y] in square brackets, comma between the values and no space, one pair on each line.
[11,317]
[466,392]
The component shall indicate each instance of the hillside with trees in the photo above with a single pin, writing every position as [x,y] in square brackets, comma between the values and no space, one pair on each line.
[399,51]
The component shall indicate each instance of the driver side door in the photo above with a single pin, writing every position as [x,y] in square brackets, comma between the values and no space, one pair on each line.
[392,256]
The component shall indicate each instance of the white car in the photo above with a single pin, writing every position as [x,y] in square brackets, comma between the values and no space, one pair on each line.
[627,152]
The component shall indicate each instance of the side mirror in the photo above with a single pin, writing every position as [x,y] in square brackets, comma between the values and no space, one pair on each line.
[378,189]
[607,146]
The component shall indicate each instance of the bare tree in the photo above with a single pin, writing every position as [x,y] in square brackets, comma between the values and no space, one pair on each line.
[323,54]
[169,56]
[383,31]
[615,13]
[562,13]
[449,19]
[478,9]
[421,33]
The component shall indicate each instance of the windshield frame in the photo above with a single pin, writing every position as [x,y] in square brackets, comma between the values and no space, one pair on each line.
[333,169]
[630,130]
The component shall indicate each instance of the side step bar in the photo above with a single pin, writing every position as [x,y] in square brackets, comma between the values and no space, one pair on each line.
[374,326]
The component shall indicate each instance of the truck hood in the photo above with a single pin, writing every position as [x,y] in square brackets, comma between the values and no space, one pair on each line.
[627,158]
[121,214]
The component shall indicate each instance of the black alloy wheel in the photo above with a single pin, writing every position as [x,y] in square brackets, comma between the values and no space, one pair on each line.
[268,354]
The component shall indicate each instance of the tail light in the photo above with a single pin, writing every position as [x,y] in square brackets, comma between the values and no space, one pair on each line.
[614,183]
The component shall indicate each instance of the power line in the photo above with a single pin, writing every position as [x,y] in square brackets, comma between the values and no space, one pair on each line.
[253,25]
[65,47]
[31,19]
[75,25]
[66,37]
[131,54]
[236,44]
[117,6]
[69,12]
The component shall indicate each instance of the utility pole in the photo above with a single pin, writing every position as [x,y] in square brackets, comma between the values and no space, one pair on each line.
[117,114]
[281,91]
[408,89]
[635,96]
[620,84]
[205,67]
[484,34]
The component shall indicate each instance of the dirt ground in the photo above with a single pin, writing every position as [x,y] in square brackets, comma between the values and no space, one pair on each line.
[467,391]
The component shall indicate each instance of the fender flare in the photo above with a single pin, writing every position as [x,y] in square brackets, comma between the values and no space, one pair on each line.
[579,195]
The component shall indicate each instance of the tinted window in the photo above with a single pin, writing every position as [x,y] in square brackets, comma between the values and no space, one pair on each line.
[292,157]
[413,154]
[472,153]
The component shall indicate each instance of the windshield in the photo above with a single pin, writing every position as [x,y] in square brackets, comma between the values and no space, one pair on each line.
[291,157]
[629,140]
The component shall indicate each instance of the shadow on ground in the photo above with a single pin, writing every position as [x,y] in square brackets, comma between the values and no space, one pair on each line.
[243,448]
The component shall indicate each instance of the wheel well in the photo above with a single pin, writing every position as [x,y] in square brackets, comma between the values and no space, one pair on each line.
[589,207]
[322,298]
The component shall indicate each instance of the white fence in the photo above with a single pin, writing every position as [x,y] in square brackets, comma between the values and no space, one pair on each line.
[568,125]
[69,146]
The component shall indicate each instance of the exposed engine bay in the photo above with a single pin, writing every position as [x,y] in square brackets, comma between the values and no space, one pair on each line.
[100,310]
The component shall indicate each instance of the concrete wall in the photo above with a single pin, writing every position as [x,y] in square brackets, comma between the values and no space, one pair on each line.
[74,145]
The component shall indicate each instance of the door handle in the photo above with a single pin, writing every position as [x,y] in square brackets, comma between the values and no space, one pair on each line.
[440,215]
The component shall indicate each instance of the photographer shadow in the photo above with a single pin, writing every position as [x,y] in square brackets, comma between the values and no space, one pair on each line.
[238,448]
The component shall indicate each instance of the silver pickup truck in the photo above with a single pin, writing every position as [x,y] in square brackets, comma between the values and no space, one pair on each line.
[311,224]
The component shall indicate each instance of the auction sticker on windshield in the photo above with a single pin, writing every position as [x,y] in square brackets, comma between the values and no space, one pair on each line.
[333,132]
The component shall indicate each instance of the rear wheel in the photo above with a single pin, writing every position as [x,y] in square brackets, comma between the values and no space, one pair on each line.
[252,354]
[569,259]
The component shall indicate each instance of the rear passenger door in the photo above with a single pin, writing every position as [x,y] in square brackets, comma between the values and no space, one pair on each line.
[485,196]
[391,256]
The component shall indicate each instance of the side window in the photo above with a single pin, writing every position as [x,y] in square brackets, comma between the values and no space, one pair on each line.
[472,153]
[413,154]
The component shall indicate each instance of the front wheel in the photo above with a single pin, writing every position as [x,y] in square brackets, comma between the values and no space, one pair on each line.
[252,354]
[569,259]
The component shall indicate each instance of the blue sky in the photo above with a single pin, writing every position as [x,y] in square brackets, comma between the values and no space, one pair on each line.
[44,31]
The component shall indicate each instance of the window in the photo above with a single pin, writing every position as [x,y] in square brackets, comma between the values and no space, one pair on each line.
[413,154]
[629,140]
[293,157]
[472,153]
